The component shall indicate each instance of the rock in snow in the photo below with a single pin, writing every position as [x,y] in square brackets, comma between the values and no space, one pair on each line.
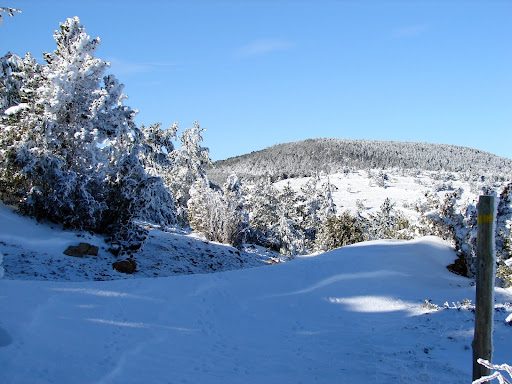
[81,250]
[125,266]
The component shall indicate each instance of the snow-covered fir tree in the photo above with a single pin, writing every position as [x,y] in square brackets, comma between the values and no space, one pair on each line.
[261,204]
[156,148]
[291,240]
[316,207]
[188,166]
[237,221]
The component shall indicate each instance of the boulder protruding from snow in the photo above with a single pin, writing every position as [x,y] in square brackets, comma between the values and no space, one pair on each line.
[125,266]
[81,250]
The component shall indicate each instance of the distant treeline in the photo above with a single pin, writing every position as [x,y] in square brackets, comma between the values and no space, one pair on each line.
[305,158]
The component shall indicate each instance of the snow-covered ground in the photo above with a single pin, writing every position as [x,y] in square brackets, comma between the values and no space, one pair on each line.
[404,190]
[353,315]
[34,251]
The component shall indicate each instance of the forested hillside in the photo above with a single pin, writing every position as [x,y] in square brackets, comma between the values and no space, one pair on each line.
[305,158]
[315,195]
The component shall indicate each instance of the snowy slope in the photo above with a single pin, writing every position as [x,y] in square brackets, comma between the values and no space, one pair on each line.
[353,315]
[404,191]
[34,251]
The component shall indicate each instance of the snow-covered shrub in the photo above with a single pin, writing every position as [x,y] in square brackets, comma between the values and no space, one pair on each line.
[389,223]
[455,222]
[428,305]
[504,273]
[218,214]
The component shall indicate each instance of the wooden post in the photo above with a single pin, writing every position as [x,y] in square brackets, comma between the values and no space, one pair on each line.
[484,303]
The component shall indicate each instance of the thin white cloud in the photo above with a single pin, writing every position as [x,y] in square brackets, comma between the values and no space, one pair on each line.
[262,47]
[409,31]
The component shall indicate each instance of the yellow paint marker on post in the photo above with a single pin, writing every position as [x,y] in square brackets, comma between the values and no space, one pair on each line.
[485,219]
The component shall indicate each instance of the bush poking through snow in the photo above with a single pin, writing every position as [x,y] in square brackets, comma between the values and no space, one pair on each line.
[430,306]
[496,374]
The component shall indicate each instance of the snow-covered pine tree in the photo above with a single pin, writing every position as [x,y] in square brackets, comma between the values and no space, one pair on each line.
[327,208]
[68,168]
[133,196]
[73,146]
[291,240]
[95,115]
[157,149]
[79,113]
[23,143]
[9,85]
[237,220]
[261,204]
[9,135]
[198,203]
[188,166]
[317,205]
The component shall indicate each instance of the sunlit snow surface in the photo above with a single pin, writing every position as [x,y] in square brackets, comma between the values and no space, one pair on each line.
[353,315]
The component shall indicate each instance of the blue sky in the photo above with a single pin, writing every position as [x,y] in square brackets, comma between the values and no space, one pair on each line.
[258,73]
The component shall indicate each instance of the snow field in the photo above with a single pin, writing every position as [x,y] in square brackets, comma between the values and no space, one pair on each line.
[355,314]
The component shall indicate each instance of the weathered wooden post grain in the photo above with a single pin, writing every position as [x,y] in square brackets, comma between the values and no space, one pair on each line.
[485,271]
